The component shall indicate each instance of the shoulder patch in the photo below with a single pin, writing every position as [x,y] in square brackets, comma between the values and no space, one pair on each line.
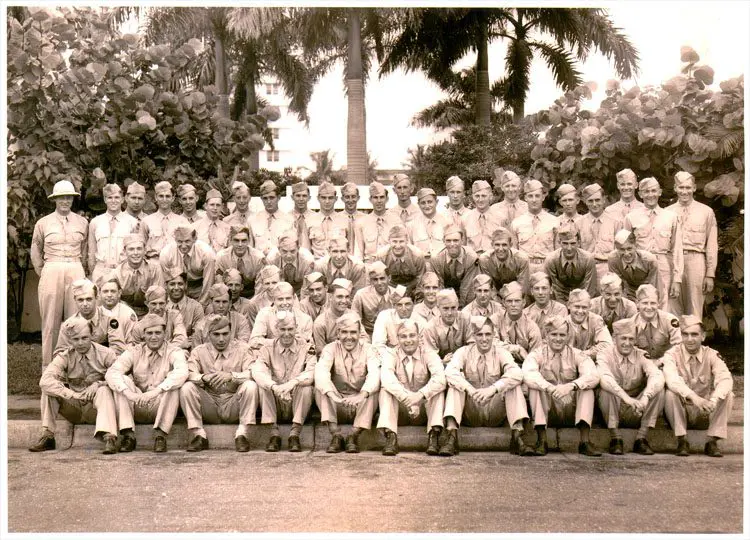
[675,323]
[133,317]
[114,324]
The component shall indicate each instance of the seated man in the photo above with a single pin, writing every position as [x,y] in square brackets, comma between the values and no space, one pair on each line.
[339,264]
[413,382]
[105,328]
[73,385]
[543,307]
[110,294]
[520,334]
[347,380]
[428,286]
[504,263]
[266,330]
[456,265]
[190,310]
[145,380]
[405,263]
[632,389]
[484,303]
[220,305]
[237,303]
[635,267]
[655,330]
[484,387]
[294,262]
[240,255]
[219,389]
[268,277]
[324,327]
[612,305]
[445,334]
[284,372]
[316,290]
[699,388]
[374,298]
[175,332]
[588,333]
[569,267]
[136,274]
[195,258]
[384,334]
[561,383]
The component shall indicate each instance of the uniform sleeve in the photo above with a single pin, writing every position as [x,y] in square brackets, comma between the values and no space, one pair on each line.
[588,377]
[712,245]
[37,248]
[678,258]
[379,332]
[261,368]
[115,375]
[319,333]
[512,374]
[454,371]
[322,373]
[590,282]
[372,380]
[63,343]
[91,258]
[306,378]
[429,338]
[179,334]
[672,376]
[248,360]
[305,330]
[388,377]
[523,272]
[607,380]
[260,328]
[51,382]
[602,338]
[209,274]
[654,378]
[531,375]
[195,373]
[437,382]
[243,329]
[535,335]
[359,242]
[357,276]
[723,382]
[84,246]
[675,337]
[179,373]
[115,336]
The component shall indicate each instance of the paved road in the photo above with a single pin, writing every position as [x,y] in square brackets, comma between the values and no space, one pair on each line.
[77,490]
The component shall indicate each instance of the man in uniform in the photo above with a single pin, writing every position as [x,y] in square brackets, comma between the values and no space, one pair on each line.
[110,293]
[294,261]
[505,263]
[456,209]
[485,303]
[456,265]
[405,262]
[107,232]
[374,298]
[195,258]
[569,267]
[146,379]
[324,327]
[238,304]
[445,334]
[480,222]
[190,310]
[241,215]
[658,231]
[588,332]
[135,198]
[239,328]
[316,288]
[371,231]
[632,389]
[385,331]
[543,307]
[567,198]
[302,216]
[405,210]
[339,264]
[350,196]
[429,285]
[247,260]
[284,372]
[511,206]
[520,334]
[627,183]
[699,388]
[412,393]
[174,327]
[656,330]
[73,385]
[58,253]
[347,380]
[267,278]
[699,246]
[534,232]
[635,267]
[428,227]
[484,387]
[158,228]
[269,224]
[612,305]
[211,229]
[219,388]
[597,228]
[137,274]
[327,224]
[188,198]
[561,383]
[265,329]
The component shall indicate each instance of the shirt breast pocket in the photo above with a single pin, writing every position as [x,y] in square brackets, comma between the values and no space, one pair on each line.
[370,235]
[569,373]
[524,235]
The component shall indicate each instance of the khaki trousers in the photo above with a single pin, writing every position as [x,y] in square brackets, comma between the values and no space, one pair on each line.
[617,414]
[690,301]
[161,411]
[359,417]
[682,415]
[664,269]
[548,412]
[101,412]
[463,408]
[56,301]
[394,413]
[273,410]
[200,406]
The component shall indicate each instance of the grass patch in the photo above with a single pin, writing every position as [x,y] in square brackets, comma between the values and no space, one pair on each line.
[24,368]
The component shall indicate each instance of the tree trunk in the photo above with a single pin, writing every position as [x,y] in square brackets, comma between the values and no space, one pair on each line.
[251,107]
[221,75]
[356,138]
[518,112]
[484,104]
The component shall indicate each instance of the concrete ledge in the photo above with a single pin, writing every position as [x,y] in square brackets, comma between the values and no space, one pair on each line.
[25,433]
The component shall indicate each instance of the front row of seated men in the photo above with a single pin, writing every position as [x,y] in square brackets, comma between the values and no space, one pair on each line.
[223,380]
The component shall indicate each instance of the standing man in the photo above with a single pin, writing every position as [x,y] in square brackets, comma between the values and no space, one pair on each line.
[338,264]
[627,183]
[137,274]
[543,307]
[135,198]
[371,231]
[520,334]
[612,306]
[350,196]
[699,244]
[221,302]
[405,262]
[211,229]
[270,223]
[413,384]
[188,198]
[347,380]
[569,267]
[597,228]
[658,230]
[58,253]
[302,216]
[534,232]
[405,210]
[327,224]
[567,198]
[456,209]
[505,263]
[145,380]
[456,265]
[219,388]
[107,233]
[247,260]
[635,267]
[195,258]
[511,206]
[374,298]
[656,330]
[482,221]
[699,388]
[561,383]
[294,261]
[632,390]
[241,215]
[588,332]
[190,310]
[428,227]
[284,372]
[158,228]
[484,389]
[445,334]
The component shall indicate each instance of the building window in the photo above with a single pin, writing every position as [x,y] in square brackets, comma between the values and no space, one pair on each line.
[272,155]
[275,133]
[272,88]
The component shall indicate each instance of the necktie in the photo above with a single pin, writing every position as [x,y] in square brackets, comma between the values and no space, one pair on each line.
[338,274]
[326,225]
[164,225]
[511,212]
[482,369]
[301,227]
[595,226]
[289,272]
[650,336]
[350,233]
[409,368]
[398,267]
[556,365]
[610,318]
[137,279]
[380,222]
[348,363]
[186,262]
[112,224]
[404,215]
[566,269]
[241,267]
[212,234]
[450,338]
[382,304]
[692,366]
[483,224]
[219,359]
[452,270]
[513,333]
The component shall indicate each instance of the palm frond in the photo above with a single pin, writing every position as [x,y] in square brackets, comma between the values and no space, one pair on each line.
[728,141]
[252,23]
[444,114]
[604,36]
[561,62]
[177,25]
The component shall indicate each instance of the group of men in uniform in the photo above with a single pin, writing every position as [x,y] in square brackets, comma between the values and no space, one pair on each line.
[431,316]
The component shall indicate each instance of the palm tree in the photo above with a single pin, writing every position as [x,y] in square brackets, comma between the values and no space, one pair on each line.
[433,40]
[323,167]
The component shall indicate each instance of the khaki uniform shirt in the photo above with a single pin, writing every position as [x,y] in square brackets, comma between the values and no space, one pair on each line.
[107,331]
[628,376]
[591,336]
[509,211]
[293,273]
[348,372]
[523,332]
[200,267]
[353,270]
[213,233]
[620,209]
[106,234]
[445,339]
[371,234]
[543,369]
[158,230]
[425,373]
[664,332]
[205,359]
[644,269]
[196,217]
[59,238]
[535,235]
[239,329]
[248,265]
[165,368]
[136,281]
[598,234]
[540,315]
[324,329]
[566,275]
[467,369]
[458,276]
[406,270]
[405,215]
[426,312]
[479,228]
[625,309]
[658,231]
[427,233]
[277,364]
[367,303]
[191,312]
[455,215]
[385,331]
[175,333]
[514,268]
[71,372]
[126,318]
[707,375]
[321,228]
[267,228]
[699,231]
[266,324]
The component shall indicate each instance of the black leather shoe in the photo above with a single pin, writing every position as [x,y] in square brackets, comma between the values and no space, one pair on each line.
[127,442]
[588,449]
[160,444]
[45,442]
[616,447]
[274,444]
[541,447]
[450,446]
[336,445]
[197,444]
[433,442]
[683,447]
[241,444]
[110,445]
[518,447]
[642,447]
[352,443]
[294,444]
[712,449]
[391,444]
